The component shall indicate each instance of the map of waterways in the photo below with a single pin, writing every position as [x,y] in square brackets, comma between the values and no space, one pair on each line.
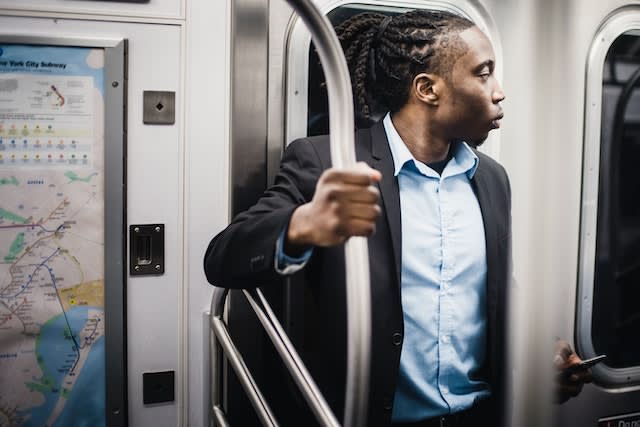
[51,299]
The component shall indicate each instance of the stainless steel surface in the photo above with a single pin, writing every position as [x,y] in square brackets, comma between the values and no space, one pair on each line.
[115,131]
[341,129]
[62,41]
[219,417]
[215,349]
[215,374]
[158,107]
[244,376]
[217,302]
[280,17]
[290,357]
[620,22]
[249,79]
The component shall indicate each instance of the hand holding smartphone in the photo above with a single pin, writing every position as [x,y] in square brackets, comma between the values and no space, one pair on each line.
[584,365]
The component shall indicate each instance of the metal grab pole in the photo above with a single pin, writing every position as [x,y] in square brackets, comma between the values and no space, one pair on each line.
[341,130]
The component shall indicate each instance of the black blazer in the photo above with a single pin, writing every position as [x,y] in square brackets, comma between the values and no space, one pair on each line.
[242,256]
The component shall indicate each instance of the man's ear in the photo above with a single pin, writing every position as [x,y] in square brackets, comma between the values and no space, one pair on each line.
[426,88]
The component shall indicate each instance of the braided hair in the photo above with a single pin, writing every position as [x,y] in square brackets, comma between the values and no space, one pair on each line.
[384,54]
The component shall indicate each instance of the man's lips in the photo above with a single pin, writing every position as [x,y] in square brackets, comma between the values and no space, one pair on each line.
[495,123]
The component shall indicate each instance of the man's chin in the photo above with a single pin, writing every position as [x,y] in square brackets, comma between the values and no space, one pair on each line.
[477,142]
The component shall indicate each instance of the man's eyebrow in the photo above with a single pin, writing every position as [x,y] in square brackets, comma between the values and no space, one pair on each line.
[488,63]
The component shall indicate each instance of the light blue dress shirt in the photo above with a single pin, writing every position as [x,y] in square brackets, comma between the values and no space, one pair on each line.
[443,284]
[285,264]
[443,281]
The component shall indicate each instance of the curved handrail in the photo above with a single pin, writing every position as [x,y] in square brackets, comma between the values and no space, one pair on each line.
[244,376]
[221,342]
[341,130]
[291,359]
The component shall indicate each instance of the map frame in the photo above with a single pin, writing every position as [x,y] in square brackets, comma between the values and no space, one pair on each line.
[115,250]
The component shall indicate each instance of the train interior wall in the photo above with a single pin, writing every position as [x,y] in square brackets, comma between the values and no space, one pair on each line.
[178,175]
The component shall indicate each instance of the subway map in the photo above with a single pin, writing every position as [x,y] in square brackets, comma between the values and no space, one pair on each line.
[51,237]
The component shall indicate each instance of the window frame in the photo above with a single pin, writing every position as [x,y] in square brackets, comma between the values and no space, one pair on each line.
[619,22]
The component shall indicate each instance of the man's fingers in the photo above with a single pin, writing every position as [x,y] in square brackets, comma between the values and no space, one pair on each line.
[346,193]
[362,211]
[564,350]
[359,227]
[345,204]
[583,376]
[348,177]
[359,175]
[375,175]
[368,195]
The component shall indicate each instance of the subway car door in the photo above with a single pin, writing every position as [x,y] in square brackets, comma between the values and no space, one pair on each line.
[91,154]
[608,273]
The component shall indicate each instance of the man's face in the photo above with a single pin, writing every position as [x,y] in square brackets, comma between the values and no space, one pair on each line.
[471,99]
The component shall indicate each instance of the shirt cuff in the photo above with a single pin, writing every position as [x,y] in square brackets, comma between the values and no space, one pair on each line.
[286,264]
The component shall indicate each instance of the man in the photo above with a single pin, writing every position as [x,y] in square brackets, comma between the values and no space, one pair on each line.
[436,211]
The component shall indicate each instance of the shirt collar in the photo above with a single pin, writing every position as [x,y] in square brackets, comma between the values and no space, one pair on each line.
[463,159]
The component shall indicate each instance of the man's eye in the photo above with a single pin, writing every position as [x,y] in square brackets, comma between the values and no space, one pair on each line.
[485,76]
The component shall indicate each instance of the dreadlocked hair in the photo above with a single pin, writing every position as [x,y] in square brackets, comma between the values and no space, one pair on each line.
[385,56]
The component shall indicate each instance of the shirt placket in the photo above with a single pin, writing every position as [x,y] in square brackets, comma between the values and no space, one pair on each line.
[445,324]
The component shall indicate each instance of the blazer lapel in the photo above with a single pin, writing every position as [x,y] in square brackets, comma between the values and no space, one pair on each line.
[483,194]
[389,192]
[481,188]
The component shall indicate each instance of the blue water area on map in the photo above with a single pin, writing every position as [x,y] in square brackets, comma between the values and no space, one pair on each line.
[86,404]
[58,355]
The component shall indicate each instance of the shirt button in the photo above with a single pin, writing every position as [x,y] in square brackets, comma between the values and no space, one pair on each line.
[445,339]
[396,339]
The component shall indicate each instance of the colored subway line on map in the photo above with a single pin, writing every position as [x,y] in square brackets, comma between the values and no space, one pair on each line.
[31,276]
[66,319]
[92,334]
[32,226]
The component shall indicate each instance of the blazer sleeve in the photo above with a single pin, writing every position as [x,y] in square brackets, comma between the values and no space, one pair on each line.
[243,254]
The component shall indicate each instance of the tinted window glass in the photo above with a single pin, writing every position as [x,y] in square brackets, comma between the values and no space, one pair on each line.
[616,308]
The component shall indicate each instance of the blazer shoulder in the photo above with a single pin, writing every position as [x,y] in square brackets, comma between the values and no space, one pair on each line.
[319,146]
[490,163]
[492,167]
[495,174]
[313,147]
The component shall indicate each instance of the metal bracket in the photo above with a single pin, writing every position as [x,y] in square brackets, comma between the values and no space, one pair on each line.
[158,107]
[146,249]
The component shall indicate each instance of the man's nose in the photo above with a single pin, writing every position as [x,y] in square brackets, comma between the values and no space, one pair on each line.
[498,94]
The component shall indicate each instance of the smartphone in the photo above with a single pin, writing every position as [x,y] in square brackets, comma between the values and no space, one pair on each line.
[585,364]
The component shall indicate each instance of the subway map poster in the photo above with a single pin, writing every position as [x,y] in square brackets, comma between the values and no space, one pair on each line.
[52,370]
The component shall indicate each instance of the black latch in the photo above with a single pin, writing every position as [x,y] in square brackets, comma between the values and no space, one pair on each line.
[146,249]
